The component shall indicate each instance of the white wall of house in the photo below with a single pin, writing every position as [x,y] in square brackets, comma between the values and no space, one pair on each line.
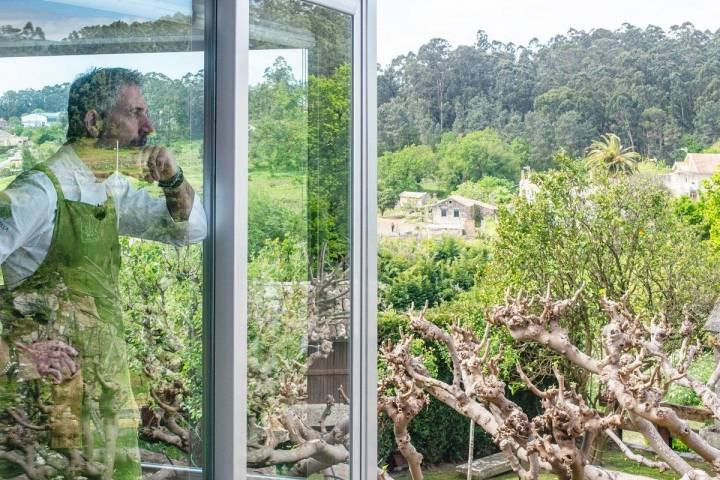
[412,200]
[34,120]
[684,183]
[450,213]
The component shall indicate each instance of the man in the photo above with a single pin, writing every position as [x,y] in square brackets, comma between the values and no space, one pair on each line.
[62,326]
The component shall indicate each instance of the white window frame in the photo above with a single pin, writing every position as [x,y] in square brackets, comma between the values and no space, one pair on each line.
[226,362]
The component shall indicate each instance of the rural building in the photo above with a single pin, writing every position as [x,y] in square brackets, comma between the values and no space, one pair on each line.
[458,215]
[34,120]
[7,139]
[41,119]
[526,187]
[413,199]
[687,176]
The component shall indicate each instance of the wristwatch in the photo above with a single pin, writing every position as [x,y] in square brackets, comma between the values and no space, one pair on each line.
[173,182]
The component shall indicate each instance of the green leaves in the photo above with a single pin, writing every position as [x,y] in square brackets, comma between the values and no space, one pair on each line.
[498,191]
[475,155]
[432,271]
[612,234]
[656,90]
[402,171]
[609,153]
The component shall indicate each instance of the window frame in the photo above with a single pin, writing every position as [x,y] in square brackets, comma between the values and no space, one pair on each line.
[227,44]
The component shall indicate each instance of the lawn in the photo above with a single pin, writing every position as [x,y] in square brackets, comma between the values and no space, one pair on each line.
[612,459]
[287,189]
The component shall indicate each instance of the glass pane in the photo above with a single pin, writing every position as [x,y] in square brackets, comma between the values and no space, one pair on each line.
[300,96]
[101,229]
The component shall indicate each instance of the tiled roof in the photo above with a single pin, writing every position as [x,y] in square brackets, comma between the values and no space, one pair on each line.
[413,194]
[468,202]
[700,163]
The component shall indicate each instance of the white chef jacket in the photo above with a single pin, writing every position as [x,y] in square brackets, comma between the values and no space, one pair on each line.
[26,235]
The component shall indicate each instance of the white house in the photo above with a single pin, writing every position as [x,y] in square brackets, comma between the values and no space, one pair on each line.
[41,119]
[4,123]
[413,199]
[458,215]
[687,176]
[526,188]
[7,139]
[34,120]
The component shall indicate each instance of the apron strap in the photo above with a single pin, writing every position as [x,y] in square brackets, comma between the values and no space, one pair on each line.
[44,169]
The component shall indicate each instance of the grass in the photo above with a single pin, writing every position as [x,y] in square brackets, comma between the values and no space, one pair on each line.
[288,189]
[434,187]
[612,459]
[5,181]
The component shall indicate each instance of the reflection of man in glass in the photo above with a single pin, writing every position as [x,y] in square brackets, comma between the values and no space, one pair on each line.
[63,355]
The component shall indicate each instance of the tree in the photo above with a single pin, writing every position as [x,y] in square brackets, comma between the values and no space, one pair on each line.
[401,171]
[633,368]
[608,153]
[329,134]
[279,121]
[431,272]
[474,155]
[611,234]
[709,209]
[498,191]
[649,86]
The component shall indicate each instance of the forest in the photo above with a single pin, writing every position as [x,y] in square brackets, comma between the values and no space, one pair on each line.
[658,90]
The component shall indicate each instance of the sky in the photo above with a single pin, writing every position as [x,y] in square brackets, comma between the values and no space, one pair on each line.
[404,25]
[58,18]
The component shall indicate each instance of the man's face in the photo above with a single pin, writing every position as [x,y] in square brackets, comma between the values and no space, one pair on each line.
[127,121]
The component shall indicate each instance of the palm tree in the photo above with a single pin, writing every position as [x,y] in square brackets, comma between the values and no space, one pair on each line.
[609,153]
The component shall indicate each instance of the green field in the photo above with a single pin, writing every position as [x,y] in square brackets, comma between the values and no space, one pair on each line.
[288,189]
[612,459]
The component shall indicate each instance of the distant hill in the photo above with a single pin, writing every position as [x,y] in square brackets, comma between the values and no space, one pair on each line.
[658,90]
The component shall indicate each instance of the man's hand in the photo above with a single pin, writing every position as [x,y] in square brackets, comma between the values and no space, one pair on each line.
[52,358]
[158,163]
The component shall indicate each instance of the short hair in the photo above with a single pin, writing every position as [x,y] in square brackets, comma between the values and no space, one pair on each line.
[96,90]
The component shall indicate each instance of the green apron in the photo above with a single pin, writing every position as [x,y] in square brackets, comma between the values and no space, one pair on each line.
[94,412]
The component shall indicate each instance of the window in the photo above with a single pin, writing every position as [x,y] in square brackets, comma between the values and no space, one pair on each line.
[100,108]
[299,259]
[134,362]
[443,211]
[456,212]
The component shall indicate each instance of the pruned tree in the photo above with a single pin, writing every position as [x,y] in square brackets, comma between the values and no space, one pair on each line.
[635,368]
[314,314]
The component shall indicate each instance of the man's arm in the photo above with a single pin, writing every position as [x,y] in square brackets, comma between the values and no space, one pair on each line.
[27,213]
[179,201]
[176,220]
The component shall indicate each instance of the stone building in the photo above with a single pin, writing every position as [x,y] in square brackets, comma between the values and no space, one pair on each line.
[458,215]
[413,199]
